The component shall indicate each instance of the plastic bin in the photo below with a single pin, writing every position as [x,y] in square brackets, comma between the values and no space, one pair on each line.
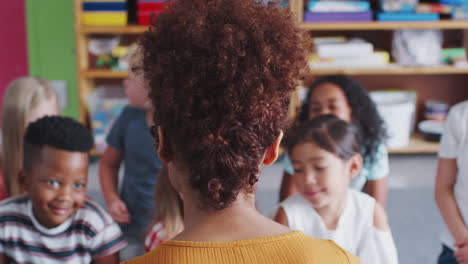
[105,105]
[148,10]
[397,109]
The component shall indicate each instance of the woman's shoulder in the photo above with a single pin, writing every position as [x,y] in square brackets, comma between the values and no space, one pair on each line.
[326,251]
[295,247]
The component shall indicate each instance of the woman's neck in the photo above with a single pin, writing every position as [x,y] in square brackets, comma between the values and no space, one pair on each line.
[239,221]
[332,212]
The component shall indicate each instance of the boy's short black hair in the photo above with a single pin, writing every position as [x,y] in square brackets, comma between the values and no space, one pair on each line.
[55,131]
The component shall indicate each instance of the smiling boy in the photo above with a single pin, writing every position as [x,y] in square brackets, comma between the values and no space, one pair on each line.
[55,222]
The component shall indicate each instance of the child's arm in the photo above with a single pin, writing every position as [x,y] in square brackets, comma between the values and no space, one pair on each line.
[281,217]
[113,258]
[377,246]
[108,176]
[383,239]
[3,258]
[287,187]
[444,196]
[378,189]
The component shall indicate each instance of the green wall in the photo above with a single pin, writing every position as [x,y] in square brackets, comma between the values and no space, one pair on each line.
[51,45]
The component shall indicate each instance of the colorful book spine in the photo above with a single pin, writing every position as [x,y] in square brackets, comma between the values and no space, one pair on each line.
[337,16]
[104,6]
[394,17]
[338,6]
[104,18]
[434,8]
[454,2]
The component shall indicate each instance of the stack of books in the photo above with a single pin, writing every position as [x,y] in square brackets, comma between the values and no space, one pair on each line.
[338,53]
[393,11]
[104,13]
[337,11]
[459,8]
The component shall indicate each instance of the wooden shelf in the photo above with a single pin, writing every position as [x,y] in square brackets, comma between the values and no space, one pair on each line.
[392,70]
[104,74]
[112,30]
[375,25]
[417,145]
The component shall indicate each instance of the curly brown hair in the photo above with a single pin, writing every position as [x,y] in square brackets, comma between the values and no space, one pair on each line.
[221,73]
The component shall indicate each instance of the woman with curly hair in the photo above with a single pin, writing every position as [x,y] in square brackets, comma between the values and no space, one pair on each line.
[345,98]
[221,73]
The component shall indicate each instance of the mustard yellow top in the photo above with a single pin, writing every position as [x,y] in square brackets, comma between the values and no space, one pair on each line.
[292,248]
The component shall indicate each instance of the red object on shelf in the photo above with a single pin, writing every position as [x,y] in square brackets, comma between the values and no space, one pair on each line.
[149,10]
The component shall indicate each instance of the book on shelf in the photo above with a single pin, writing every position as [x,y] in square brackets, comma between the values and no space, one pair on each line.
[344,50]
[395,17]
[434,8]
[314,17]
[338,6]
[375,59]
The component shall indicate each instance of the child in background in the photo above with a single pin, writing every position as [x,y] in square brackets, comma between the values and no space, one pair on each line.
[325,153]
[168,221]
[452,184]
[26,99]
[130,143]
[345,98]
[55,222]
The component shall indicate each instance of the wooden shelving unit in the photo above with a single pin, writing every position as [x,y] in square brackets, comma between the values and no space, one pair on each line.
[112,30]
[417,145]
[86,76]
[104,74]
[393,70]
[443,82]
[375,25]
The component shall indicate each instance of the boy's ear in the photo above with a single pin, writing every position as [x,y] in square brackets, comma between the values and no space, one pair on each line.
[272,151]
[164,147]
[355,165]
[23,180]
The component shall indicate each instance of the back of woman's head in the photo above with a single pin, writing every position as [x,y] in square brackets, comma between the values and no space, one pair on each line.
[363,110]
[329,133]
[221,74]
[21,99]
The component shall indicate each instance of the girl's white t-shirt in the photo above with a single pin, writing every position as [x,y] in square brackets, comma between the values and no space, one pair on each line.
[454,145]
[355,231]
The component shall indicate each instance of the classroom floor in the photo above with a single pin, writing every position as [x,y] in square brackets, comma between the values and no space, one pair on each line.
[413,215]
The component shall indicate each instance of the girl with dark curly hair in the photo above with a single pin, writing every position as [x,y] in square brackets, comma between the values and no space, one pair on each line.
[345,98]
[221,73]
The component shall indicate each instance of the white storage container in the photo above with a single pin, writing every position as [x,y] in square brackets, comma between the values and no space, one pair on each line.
[397,109]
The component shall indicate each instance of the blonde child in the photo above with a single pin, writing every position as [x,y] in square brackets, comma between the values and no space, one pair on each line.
[26,99]
[452,185]
[325,154]
[168,221]
[130,144]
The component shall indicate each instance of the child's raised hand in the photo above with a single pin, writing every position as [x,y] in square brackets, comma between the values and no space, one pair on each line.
[118,211]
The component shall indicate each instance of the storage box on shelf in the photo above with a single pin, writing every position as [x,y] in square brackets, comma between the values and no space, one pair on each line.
[439,82]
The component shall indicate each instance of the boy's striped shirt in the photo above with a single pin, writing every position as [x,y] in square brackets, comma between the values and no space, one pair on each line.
[88,234]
